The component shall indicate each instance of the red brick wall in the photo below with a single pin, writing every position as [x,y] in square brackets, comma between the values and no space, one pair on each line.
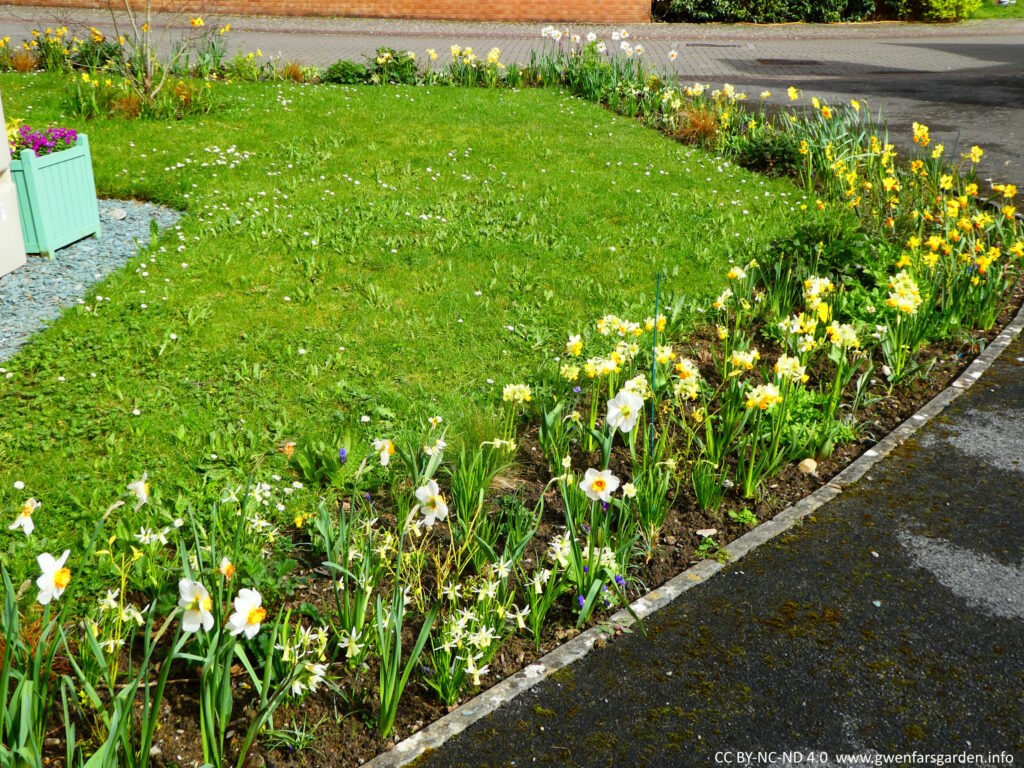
[595,11]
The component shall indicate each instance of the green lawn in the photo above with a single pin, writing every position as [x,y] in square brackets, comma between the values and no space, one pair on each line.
[989,10]
[391,253]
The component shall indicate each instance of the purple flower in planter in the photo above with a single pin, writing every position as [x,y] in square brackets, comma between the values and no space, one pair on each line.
[44,142]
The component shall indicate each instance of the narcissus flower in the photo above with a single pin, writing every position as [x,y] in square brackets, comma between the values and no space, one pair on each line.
[789,368]
[688,385]
[141,490]
[794,94]
[599,486]
[517,393]
[24,519]
[196,603]
[55,576]
[249,614]
[385,449]
[764,397]
[574,346]
[904,294]
[744,360]
[431,503]
[624,409]
[650,323]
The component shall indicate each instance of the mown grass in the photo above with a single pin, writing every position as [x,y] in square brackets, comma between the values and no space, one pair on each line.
[434,244]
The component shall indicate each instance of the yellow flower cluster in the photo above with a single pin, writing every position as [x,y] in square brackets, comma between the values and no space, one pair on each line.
[843,335]
[904,295]
[520,394]
[764,397]
[789,369]
[688,385]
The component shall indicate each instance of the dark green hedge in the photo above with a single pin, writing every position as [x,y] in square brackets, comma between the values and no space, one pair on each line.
[766,11]
[775,11]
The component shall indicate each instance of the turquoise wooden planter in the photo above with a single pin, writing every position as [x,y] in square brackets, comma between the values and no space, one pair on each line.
[56,197]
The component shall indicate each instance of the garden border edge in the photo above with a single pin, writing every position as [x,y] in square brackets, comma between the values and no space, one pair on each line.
[459,719]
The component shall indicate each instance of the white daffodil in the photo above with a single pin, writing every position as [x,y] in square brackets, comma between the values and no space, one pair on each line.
[55,577]
[196,603]
[109,603]
[624,409]
[385,448]
[24,518]
[350,642]
[317,673]
[520,616]
[599,486]
[226,568]
[249,614]
[432,503]
[140,488]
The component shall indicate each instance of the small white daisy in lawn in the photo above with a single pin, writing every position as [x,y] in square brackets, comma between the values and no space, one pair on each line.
[365,419]
[18,485]
[287,298]
[136,412]
[302,350]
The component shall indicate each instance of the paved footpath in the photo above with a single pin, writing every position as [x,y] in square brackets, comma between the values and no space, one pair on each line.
[891,621]
[965,81]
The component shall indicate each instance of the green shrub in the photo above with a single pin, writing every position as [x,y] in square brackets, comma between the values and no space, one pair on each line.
[391,66]
[345,72]
[776,11]
[767,150]
[946,10]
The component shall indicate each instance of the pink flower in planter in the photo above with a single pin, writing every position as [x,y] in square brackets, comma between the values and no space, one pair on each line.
[43,142]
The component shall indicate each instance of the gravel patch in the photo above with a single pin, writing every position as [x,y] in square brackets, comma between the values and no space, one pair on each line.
[36,294]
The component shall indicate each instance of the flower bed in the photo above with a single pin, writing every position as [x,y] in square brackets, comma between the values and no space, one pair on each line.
[641,444]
